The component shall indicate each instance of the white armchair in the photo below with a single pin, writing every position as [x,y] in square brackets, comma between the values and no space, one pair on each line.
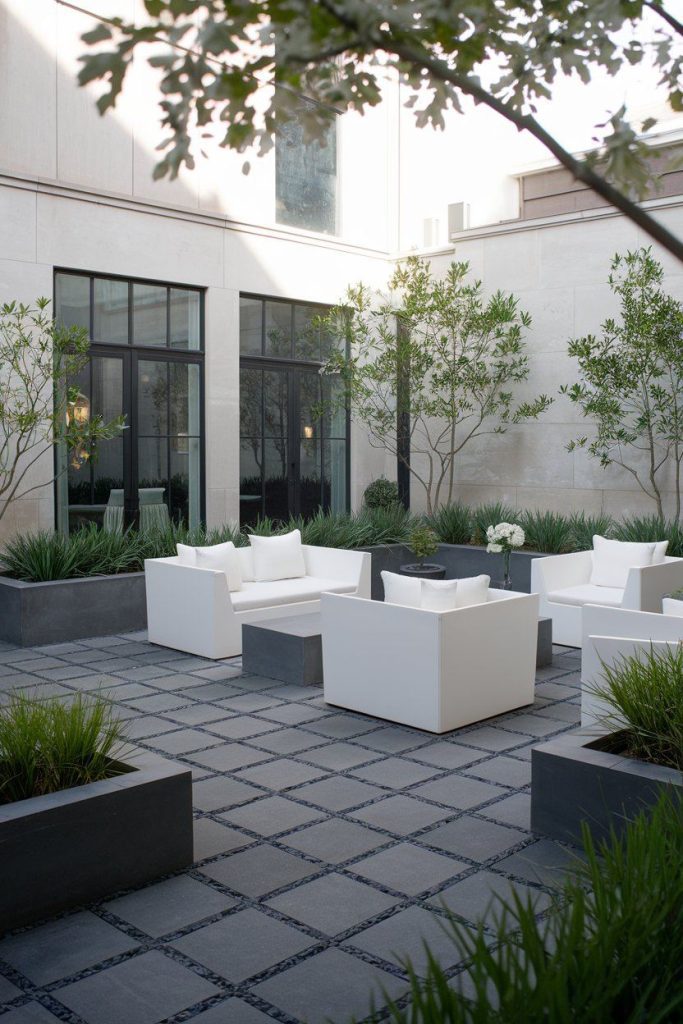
[191,609]
[564,588]
[431,670]
[610,634]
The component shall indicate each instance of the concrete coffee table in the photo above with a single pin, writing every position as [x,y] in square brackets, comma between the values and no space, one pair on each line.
[291,648]
[288,648]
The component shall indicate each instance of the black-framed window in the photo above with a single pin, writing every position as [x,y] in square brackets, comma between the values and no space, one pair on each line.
[146,362]
[293,461]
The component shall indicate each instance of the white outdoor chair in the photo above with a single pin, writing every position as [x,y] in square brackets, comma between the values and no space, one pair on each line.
[433,670]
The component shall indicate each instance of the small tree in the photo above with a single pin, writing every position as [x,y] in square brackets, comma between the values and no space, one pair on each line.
[437,353]
[632,379]
[40,406]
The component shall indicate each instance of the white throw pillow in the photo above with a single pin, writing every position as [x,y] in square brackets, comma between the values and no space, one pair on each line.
[405,590]
[217,556]
[660,552]
[612,560]
[277,558]
[246,560]
[472,590]
[439,595]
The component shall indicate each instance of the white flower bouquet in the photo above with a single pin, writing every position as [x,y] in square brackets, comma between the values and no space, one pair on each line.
[503,539]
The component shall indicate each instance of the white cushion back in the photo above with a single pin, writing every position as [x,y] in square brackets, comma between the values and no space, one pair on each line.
[246,564]
[404,590]
[217,556]
[440,595]
[612,560]
[472,590]
[660,552]
[278,558]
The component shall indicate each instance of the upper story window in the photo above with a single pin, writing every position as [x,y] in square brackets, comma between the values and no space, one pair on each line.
[124,312]
[306,179]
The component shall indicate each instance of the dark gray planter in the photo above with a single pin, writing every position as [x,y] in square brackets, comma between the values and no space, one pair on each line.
[428,571]
[46,613]
[459,559]
[65,849]
[573,780]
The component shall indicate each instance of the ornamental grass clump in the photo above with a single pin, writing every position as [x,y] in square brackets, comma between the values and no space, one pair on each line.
[644,699]
[47,745]
[548,532]
[609,950]
[452,524]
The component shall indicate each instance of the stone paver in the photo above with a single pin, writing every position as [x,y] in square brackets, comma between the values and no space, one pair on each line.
[314,878]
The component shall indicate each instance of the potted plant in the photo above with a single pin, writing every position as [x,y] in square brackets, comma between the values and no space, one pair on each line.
[605,779]
[503,539]
[78,820]
[424,543]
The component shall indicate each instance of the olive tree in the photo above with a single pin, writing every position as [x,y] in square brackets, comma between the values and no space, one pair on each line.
[243,69]
[40,406]
[437,352]
[631,380]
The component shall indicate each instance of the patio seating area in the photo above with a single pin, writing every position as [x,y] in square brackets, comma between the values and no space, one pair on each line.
[326,844]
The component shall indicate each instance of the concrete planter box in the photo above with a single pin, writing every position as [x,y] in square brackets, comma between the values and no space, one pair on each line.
[46,613]
[65,849]
[573,780]
[459,559]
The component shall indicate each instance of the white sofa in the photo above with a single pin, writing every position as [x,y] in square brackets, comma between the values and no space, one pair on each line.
[191,609]
[610,634]
[564,588]
[433,670]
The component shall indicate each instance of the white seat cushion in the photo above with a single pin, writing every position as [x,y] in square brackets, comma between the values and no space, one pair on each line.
[276,592]
[587,593]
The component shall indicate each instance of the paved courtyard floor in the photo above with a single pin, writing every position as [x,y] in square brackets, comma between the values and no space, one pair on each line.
[326,845]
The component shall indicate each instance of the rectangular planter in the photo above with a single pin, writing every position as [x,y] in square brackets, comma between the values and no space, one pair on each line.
[572,781]
[65,849]
[459,559]
[46,613]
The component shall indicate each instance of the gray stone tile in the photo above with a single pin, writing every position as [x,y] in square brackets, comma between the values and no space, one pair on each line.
[148,725]
[211,838]
[472,838]
[532,725]
[403,936]
[219,792]
[293,714]
[489,738]
[8,991]
[507,771]
[169,905]
[280,774]
[143,990]
[332,904]
[189,663]
[401,814]
[339,756]
[239,726]
[232,1011]
[143,672]
[445,755]
[271,815]
[196,714]
[459,792]
[395,773]
[409,869]
[251,702]
[219,673]
[64,947]
[556,690]
[258,870]
[159,702]
[243,944]
[564,712]
[343,726]
[30,1013]
[514,810]
[478,897]
[330,986]
[229,757]
[290,741]
[544,863]
[394,740]
[335,840]
[184,741]
[338,794]
[64,672]
[199,689]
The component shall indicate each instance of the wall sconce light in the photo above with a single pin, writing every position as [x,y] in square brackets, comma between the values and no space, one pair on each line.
[308,432]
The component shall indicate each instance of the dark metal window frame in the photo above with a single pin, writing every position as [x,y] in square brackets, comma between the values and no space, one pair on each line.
[130,354]
[267,361]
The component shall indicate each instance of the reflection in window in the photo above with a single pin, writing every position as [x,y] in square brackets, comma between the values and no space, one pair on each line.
[306,179]
[110,311]
[149,315]
[72,300]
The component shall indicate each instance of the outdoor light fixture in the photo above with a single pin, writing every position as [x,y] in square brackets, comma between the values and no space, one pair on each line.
[308,432]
